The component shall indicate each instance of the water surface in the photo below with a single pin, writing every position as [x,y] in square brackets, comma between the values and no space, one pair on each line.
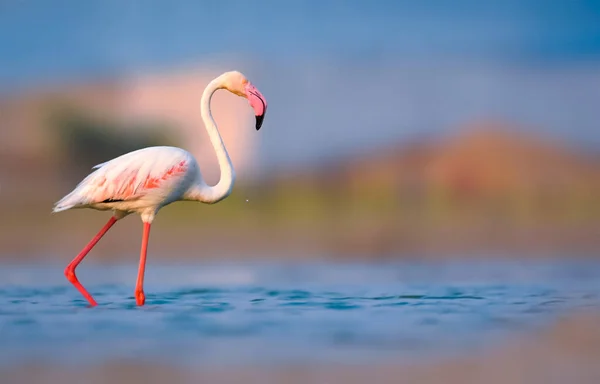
[266,313]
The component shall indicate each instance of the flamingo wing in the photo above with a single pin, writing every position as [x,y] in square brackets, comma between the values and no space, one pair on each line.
[128,177]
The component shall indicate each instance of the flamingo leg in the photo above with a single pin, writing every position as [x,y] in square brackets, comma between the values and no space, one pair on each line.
[140,298]
[70,270]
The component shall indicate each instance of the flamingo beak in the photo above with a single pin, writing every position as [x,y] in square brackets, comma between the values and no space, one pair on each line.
[257,102]
[259,121]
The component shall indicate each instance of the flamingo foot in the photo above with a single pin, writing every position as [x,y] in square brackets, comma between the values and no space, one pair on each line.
[140,298]
[70,275]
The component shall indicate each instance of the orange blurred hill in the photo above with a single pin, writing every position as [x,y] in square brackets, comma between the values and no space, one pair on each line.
[484,159]
[489,186]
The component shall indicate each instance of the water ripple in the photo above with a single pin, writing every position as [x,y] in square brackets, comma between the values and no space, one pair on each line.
[280,318]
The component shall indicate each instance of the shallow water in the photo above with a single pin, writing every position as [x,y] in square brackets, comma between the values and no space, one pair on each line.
[267,313]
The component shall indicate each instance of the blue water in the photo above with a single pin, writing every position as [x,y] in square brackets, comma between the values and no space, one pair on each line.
[265,313]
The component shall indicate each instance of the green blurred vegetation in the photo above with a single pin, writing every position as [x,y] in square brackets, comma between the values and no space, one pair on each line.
[437,207]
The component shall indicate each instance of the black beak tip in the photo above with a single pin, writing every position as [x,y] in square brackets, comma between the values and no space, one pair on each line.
[259,121]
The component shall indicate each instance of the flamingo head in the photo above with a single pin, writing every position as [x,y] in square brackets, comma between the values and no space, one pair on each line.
[238,84]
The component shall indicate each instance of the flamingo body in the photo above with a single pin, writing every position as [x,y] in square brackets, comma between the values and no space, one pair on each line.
[148,179]
[141,181]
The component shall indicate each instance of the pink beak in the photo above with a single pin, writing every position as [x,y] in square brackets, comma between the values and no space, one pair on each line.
[257,102]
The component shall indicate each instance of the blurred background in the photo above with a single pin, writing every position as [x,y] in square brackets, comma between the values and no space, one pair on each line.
[395,128]
[401,136]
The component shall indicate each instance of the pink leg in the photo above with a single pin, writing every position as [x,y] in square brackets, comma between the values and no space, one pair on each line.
[140,299]
[70,270]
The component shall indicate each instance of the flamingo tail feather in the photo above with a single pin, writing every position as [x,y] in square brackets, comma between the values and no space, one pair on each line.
[71,200]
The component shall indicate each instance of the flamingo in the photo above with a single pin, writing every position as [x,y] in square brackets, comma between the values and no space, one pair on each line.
[145,180]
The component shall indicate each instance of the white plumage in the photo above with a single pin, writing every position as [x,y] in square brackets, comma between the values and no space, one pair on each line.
[137,181]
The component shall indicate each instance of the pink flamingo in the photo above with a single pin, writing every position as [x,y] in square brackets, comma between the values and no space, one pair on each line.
[148,179]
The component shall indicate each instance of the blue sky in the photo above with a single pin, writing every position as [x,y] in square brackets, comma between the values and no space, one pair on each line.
[54,38]
[429,65]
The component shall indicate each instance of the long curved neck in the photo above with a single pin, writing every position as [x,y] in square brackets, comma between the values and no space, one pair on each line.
[201,191]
